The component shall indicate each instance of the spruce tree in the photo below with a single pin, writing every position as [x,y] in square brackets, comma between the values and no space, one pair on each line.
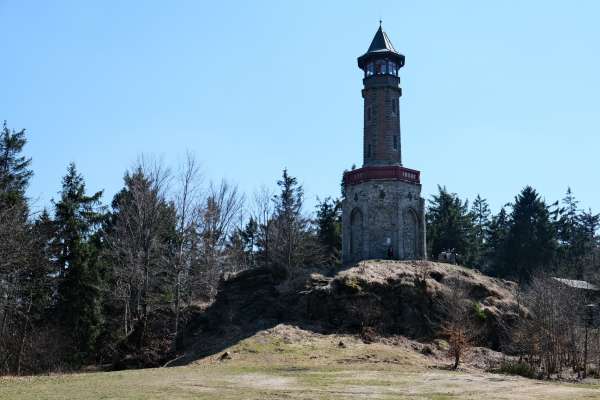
[329,229]
[294,245]
[141,240]
[450,225]
[590,223]
[77,216]
[531,239]
[571,237]
[15,169]
[249,237]
[495,247]
[480,212]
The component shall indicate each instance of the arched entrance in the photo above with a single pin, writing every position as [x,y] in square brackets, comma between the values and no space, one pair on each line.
[356,234]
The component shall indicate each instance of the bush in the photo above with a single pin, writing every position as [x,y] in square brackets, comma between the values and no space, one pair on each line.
[479,311]
[517,368]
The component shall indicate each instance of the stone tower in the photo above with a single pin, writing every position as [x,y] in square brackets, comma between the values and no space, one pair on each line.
[383,214]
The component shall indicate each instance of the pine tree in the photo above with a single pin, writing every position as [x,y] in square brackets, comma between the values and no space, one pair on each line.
[531,239]
[77,216]
[450,225]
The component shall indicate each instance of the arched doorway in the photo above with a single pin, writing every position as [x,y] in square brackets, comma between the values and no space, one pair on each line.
[356,234]
[410,234]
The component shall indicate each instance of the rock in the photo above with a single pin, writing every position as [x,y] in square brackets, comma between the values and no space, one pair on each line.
[368,334]
[374,298]
[341,345]
[441,344]
[225,356]
[426,350]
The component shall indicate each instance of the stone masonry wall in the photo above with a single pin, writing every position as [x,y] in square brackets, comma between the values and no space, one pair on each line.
[381,215]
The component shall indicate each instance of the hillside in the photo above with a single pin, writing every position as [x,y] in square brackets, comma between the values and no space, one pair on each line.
[286,362]
[378,297]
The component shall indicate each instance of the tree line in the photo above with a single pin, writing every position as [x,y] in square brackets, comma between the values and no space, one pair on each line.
[80,277]
[526,237]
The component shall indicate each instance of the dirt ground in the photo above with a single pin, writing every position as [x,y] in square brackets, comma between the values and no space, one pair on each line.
[289,363]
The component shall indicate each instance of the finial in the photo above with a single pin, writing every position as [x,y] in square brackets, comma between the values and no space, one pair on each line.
[380,21]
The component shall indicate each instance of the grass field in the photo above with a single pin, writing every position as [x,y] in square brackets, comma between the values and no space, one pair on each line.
[288,363]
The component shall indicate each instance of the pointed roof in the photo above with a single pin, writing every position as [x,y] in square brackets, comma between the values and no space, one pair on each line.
[381,46]
[380,42]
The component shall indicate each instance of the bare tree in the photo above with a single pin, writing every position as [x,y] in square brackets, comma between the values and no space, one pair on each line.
[139,238]
[555,335]
[188,204]
[458,328]
[262,212]
[222,208]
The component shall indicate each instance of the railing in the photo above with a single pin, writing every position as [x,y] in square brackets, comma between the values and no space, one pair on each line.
[393,172]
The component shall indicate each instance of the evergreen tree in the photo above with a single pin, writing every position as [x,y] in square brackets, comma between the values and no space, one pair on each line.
[15,169]
[43,266]
[249,237]
[294,245]
[141,241]
[329,229]
[571,237]
[480,212]
[19,282]
[77,216]
[495,247]
[449,225]
[590,223]
[531,239]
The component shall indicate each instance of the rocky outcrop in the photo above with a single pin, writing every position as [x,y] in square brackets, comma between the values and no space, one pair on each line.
[389,297]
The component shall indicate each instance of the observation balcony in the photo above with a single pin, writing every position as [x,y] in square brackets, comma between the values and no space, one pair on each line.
[388,172]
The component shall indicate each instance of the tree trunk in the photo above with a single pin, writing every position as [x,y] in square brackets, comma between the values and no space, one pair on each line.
[177,305]
[585,353]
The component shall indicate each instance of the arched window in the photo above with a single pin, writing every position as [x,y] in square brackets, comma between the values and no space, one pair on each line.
[356,234]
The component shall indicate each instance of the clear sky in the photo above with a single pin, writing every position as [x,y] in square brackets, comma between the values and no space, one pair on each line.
[496,95]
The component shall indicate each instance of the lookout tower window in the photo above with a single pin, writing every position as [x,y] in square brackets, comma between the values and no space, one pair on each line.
[368,151]
[369,114]
[392,68]
[393,106]
[395,142]
[380,67]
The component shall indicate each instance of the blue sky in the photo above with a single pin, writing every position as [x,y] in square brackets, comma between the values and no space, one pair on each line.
[496,95]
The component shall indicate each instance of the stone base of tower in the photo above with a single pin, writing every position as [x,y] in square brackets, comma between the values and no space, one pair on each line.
[383,215]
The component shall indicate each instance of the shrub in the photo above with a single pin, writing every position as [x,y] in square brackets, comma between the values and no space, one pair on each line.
[479,311]
[517,368]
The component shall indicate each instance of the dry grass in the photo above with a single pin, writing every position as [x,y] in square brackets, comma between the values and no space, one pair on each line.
[288,363]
